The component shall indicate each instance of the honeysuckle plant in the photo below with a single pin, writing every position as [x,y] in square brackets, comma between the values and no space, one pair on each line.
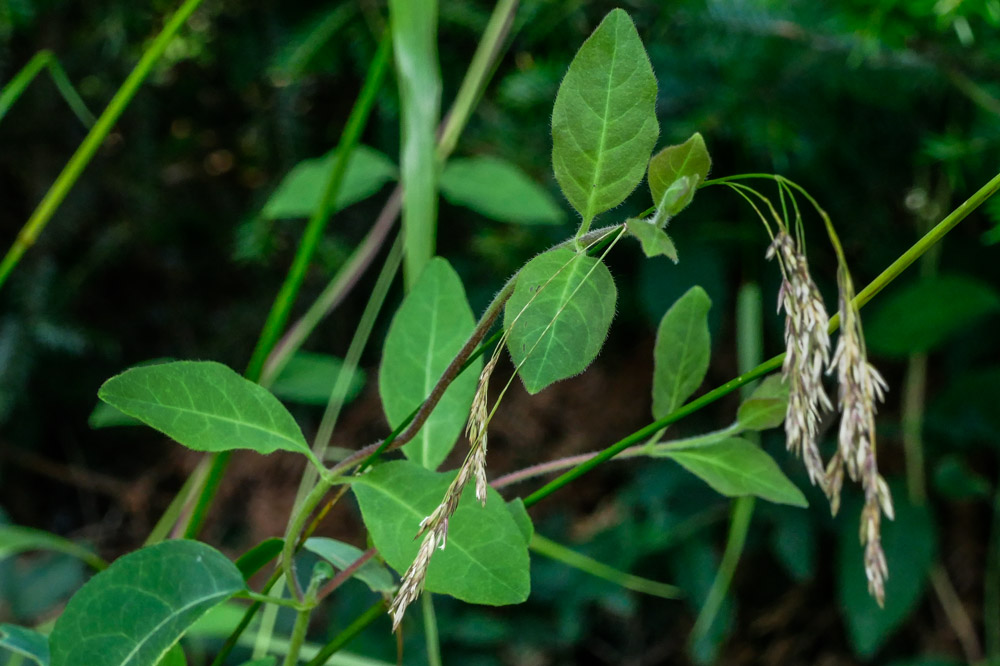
[456,532]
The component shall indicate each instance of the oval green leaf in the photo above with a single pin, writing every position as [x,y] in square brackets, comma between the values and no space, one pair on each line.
[498,190]
[654,240]
[132,613]
[309,379]
[25,642]
[486,558]
[15,539]
[205,406]
[766,406]
[558,316]
[682,351]
[604,119]
[669,167]
[342,555]
[301,191]
[426,333]
[735,467]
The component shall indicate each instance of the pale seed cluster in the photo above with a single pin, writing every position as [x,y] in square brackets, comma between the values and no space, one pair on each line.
[860,386]
[435,526]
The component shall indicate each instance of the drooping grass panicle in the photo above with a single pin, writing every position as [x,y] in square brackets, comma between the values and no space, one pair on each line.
[807,353]
[860,388]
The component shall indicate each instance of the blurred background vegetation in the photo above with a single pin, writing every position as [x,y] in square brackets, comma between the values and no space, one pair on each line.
[888,112]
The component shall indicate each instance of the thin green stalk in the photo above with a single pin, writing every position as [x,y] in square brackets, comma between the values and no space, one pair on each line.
[561,553]
[176,507]
[298,637]
[738,528]
[95,137]
[348,634]
[483,62]
[356,122]
[358,343]
[750,349]
[295,525]
[869,292]
[431,629]
[245,621]
[45,59]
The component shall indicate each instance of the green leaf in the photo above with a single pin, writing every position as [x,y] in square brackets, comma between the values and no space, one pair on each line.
[414,47]
[735,467]
[669,167]
[910,545]
[956,481]
[426,333]
[766,406]
[558,316]
[15,539]
[264,661]
[259,556]
[133,612]
[342,555]
[174,657]
[205,406]
[486,558]
[654,240]
[682,351]
[923,315]
[25,642]
[308,379]
[604,119]
[106,416]
[498,190]
[301,191]
[520,514]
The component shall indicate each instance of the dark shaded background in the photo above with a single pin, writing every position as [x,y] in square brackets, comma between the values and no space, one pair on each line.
[885,111]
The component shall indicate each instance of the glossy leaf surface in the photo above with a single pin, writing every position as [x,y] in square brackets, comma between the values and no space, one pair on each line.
[133,612]
[25,642]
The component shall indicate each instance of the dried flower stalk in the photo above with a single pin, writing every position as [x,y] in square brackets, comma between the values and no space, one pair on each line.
[807,353]
[860,387]
[436,525]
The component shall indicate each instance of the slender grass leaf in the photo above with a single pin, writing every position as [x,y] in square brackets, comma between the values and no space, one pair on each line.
[15,539]
[301,191]
[25,642]
[695,565]
[426,333]
[486,558]
[682,351]
[910,546]
[766,406]
[735,467]
[205,406]
[301,49]
[654,240]
[342,555]
[670,167]
[414,47]
[132,613]
[923,315]
[309,378]
[604,118]
[498,190]
[558,316]
[259,556]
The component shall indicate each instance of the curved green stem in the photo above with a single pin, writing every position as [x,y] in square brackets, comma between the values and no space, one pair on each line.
[95,137]
[294,529]
[348,634]
[45,59]
[356,122]
[869,292]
